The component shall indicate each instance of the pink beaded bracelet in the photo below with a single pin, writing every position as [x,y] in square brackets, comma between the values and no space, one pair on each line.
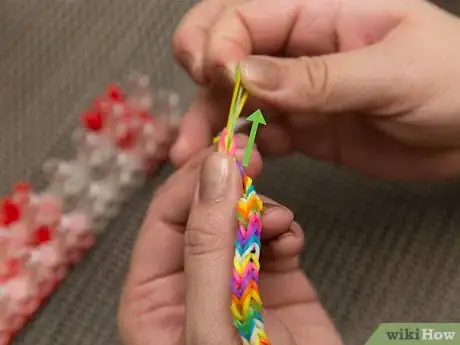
[121,140]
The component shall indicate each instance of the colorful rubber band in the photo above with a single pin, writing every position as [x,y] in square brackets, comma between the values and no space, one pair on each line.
[246,302]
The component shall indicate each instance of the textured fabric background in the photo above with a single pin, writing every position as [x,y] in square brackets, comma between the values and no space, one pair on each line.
[375,251]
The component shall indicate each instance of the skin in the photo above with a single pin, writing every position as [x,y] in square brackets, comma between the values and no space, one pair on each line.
[370,85]
[177,291]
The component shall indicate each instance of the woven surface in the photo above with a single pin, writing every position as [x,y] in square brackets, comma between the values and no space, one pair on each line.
[375,251]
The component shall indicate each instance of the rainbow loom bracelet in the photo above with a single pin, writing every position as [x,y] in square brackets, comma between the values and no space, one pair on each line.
[246,302]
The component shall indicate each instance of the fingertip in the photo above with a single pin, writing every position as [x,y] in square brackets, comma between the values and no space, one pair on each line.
[223,50]
[276,219]
[220,173]
[228,43]
[188,50]
[246,29]
[195,133]
[183,150]
[189,41]
[287,245]
[296,237]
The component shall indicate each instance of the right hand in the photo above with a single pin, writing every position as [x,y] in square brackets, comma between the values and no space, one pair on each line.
[371,85]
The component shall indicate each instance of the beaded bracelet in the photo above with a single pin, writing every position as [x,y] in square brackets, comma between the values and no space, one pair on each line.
[246,302]
[43,233]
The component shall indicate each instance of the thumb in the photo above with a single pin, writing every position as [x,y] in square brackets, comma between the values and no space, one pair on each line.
[359,80]
[209,238]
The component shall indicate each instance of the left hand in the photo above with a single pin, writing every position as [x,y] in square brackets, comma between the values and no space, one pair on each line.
[177,291]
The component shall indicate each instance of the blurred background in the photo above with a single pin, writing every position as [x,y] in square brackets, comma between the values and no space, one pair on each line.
[376,251]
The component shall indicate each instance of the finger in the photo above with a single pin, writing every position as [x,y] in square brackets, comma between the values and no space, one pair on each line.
[209,250]
[250,28]
[243,30]
[191,35]
[202,121]
[320,83]
[360,80]
[274,140]
[282,238]
[158,251]
[297,28]
[161,234]
[276,219]
[281,254]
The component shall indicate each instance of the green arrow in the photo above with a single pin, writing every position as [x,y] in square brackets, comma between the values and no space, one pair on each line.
[256,118]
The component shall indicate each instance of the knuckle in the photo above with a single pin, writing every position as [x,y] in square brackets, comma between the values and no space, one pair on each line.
[179,44]
[200,241]
[315,76]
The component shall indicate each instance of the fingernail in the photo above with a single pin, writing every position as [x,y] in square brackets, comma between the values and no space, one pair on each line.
[214,178]
[269,207]
[289,233]
[263,72]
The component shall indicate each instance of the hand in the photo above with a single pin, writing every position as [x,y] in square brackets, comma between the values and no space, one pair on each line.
[371,85]
[177,291]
